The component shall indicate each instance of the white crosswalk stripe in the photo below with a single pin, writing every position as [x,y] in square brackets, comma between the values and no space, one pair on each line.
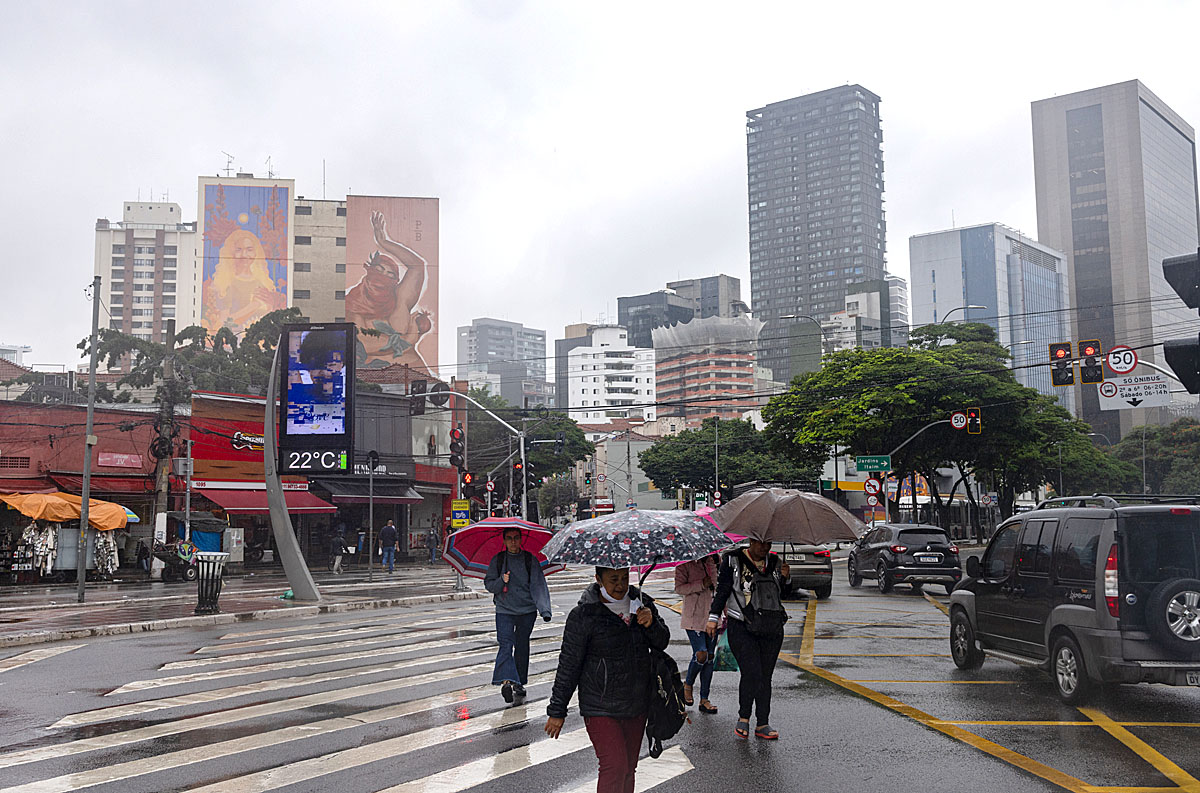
[651,773]
[33,656]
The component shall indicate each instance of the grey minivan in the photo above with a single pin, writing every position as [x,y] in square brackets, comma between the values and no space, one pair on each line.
[1098,589]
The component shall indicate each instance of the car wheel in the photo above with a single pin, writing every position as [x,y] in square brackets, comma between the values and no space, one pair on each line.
[1069,671]
[852,572]
[1173,614]
[823,592]
[190,573]
[881,578]
[963,649]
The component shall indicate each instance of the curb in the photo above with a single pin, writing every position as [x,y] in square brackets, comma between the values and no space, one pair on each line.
[41,637]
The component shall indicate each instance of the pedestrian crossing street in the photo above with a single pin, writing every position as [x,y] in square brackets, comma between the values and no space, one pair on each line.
[396,700]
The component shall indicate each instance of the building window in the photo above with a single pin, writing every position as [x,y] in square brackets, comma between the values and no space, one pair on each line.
[303,267]
[301,294]
[339,294]
[118,262]
[304,240]
[340,267]
[118,285]
[303,210]
[340,242]
[169,262]
[168,287]
[168,300]
[118,273]
[170,250]
[118,249]
[341,212]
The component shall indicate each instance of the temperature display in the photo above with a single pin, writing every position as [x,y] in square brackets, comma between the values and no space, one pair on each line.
[316,460]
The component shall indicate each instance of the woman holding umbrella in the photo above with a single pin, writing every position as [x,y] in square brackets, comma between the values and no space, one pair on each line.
[515,579]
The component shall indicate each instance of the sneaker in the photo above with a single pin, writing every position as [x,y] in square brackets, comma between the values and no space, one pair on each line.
[506,691]
[518,690]
[518,698]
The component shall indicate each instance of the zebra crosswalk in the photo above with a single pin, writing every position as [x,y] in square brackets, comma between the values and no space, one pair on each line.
[325,706]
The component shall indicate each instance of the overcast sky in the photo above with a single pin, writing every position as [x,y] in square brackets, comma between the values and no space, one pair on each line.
[581,151]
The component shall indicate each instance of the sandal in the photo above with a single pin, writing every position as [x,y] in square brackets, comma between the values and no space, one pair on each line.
[687,695]
[707,707]
[742,730]
[765,732]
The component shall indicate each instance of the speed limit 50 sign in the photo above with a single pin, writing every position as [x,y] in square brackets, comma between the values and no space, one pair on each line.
[1122,359]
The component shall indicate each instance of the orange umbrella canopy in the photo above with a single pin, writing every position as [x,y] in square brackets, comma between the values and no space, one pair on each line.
[61,507]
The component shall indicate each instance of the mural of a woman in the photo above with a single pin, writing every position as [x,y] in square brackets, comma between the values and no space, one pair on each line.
[240,290]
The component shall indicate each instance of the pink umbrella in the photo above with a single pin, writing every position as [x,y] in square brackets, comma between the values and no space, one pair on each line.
[471,548]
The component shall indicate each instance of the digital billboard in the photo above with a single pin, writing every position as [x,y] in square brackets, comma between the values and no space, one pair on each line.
[316,406]
[247,243]
[392,280]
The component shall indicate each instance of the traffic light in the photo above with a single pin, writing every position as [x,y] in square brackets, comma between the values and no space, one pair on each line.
[1091,370]
[518,468]
[974,421]
[587,478]
[458,447]
[468,484]
[1183,355]
[560,442]
[1062,365]
[468,478]
[416,397]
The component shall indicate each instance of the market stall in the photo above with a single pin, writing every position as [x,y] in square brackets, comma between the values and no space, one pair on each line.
[46,545]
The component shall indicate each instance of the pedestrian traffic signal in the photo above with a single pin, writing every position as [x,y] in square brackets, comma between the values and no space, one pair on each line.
[416,397]
[1091,370]
[1183,355]
[1062,365]
[458,447]
[974,421]
[468,478]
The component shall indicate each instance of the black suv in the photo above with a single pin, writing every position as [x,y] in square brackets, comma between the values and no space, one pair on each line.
[1092,589]
[904,553]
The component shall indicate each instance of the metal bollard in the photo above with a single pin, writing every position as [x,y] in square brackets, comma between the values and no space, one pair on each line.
[211,568]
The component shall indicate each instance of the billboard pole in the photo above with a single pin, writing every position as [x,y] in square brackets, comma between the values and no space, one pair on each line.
[299,578]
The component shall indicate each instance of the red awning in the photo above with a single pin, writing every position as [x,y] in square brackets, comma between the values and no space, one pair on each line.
[10,486]
[106,484]
[242,501]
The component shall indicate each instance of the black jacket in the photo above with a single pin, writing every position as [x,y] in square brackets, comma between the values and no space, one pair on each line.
[722,597]
[606,659]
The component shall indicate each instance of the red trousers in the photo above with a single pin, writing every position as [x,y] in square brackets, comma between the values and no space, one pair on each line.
[617,743]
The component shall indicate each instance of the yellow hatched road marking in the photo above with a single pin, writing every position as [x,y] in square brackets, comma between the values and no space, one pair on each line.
[1164,766]
[954,682]
[1000,723]
[884,655]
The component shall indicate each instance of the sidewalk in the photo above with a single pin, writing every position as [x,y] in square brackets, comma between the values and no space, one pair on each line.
[33,615]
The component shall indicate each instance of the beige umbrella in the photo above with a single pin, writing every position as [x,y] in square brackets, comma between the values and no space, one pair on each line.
[779,515]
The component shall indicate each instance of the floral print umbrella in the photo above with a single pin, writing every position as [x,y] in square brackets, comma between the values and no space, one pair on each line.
[636,537]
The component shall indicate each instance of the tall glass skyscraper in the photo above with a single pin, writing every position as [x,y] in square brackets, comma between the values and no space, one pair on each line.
[1115,175]
[815,173]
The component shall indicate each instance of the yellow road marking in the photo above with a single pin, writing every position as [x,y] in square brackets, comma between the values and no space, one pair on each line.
[884,655]
[1061,723]
[1166,767]
[1101,789]
[810,633]
[954,682]
[676,607]
[942,607]
[886,624]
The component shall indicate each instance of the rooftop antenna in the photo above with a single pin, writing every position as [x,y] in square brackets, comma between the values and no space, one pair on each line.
[322,178]
[270,173]
[228,164]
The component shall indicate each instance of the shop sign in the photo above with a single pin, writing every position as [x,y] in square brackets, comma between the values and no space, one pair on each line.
[112,460]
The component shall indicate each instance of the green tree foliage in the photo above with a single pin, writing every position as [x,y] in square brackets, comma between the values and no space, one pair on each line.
[874,401]
[744,455]
[557,494]
[1172,456]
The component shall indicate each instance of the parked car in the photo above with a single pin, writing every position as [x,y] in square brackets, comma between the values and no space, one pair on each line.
[904,553]
[811,568]
[1091,589]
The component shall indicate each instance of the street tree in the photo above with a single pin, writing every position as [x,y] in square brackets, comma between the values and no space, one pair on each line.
[556,496]
[743,454]
[1170,455]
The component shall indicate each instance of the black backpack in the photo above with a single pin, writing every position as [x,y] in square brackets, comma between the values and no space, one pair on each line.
[667,713]
[763,613]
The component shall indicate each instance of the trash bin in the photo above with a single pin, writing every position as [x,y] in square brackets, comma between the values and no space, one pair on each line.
[211,567]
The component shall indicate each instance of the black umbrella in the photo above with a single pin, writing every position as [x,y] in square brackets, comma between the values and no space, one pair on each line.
[636,537]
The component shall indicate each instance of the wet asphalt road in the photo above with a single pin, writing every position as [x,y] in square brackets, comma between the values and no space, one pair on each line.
[866,695]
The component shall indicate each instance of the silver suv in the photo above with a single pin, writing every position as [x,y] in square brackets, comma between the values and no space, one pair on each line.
[1092,589]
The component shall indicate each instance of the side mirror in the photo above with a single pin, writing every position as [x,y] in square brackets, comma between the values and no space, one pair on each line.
[974,568]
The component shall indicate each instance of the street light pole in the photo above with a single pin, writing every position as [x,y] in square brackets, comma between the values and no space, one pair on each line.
[89,443]
[957,308]
[372,459]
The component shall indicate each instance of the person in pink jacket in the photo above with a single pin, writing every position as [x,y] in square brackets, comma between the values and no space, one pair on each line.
[695,581]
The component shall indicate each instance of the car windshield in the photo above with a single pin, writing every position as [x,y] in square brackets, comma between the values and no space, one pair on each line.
[922,537]
[1161,546]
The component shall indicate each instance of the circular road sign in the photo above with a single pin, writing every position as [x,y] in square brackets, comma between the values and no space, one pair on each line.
[1108,389]
[490,485]
[958,420]
[507,503]
[872,500]
[1122,359]
[872,486]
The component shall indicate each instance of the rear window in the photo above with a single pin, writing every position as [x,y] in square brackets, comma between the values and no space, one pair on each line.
[1076,549]
[922,536]
[1159,546]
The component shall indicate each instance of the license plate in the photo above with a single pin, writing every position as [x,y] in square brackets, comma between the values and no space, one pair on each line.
[927,558]
[799,557]
[1193,678]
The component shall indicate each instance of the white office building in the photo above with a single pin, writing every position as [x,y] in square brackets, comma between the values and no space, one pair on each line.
[608,379]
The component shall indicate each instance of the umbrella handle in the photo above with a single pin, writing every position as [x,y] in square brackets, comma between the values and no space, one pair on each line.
[649,570]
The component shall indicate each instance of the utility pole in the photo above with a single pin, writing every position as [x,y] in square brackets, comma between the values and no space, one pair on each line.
[524,472]
[163,445]
[511,493]
[187,499]
[716,457]
[628,467]
[88,444]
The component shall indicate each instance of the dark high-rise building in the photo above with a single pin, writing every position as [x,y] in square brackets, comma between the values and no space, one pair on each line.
[815,171]
[641,314]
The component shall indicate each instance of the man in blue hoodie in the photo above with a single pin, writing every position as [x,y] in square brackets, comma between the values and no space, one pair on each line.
[516,581]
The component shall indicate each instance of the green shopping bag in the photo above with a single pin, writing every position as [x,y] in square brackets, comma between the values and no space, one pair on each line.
[724,661]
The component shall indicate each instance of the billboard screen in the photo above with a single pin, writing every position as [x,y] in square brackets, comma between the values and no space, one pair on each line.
[392,280]
[246,260]
[316,409]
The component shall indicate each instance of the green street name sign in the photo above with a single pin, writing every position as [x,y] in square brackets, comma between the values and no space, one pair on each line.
[876,462]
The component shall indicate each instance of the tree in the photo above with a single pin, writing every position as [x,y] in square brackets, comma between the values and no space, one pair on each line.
[557,494]
[1170,454]
[743,455]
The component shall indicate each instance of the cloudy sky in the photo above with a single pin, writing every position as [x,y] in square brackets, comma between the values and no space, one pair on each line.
[581,151]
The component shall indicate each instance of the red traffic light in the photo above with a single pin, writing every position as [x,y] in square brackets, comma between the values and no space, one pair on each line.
[1060,353]
[468,478]
[457,434]
[518,466]
[1089,350]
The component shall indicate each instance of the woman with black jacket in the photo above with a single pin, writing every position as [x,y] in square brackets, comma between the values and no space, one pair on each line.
[606,656]
[741,572]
